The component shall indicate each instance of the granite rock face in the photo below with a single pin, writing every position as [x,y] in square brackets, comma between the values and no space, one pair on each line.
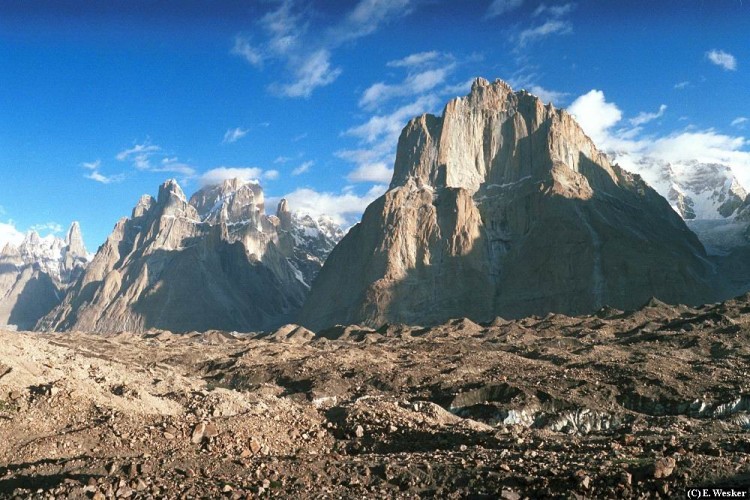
[214,262]
[502,206]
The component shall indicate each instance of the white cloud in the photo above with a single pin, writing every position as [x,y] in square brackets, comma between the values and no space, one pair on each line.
[682,85]
[314,71]
[705,145]
[92,165]
[367,16]
[644,117]
[141,156]
[282,159]
[373,172]
[344,208]
[246,174]
[722,59]
[554,10]
[550,27]
[95,174]
[220,174]
[739,121]
[412,60]
[48,227]
[599,118]
[500,7]
[595,115]
[271,175]
[388,127]
[304,167]
[173,165]
[234,134]
[9,234]
[413,84]
[243,48]
[291,39]
[526,81]
[104,179]
[138,150]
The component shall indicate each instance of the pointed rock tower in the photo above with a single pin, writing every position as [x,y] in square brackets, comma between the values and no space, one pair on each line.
[35,275]
[503,206]
[214,262]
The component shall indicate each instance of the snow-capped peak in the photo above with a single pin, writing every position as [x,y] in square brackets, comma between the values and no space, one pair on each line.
[696,190]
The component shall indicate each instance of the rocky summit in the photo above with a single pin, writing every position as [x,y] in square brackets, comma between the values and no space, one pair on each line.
[214,262]
[503,206]
[35,274]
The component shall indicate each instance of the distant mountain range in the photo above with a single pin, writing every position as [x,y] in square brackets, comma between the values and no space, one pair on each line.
[35,275]
[216,261]
[501,206]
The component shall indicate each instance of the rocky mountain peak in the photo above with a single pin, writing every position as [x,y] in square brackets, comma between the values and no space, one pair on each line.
[145,203]
[10,250]
[232,201]
[34,275]
[74,240]
[502,206]
[284,214]
[496,137]
[172,201]
[31,239]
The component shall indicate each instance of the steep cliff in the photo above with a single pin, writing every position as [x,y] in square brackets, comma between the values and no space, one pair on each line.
[503,206]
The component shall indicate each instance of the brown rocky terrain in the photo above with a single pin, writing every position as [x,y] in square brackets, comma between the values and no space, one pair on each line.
[612,405]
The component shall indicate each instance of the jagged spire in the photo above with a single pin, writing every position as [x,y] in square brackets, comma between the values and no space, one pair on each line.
[74,240]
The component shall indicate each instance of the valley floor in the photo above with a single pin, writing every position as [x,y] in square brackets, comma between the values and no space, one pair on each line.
[642,404]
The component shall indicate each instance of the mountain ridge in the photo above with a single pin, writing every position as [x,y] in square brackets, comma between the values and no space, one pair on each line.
[211,262]
[35,274]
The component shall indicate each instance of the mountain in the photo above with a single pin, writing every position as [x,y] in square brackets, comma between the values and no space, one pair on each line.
[503,206]
[715,206]
[213,262]
[35,274]
[306,240]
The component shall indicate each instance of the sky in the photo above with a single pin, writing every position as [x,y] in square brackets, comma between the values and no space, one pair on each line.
[101,102]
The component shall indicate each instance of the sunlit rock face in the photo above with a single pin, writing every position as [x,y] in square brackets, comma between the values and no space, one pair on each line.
[503,206]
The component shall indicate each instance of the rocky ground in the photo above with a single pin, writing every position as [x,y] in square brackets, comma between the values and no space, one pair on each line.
[640,405]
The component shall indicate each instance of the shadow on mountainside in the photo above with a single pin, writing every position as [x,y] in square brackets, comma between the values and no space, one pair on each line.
[197,290]
[537,252]
[38,297]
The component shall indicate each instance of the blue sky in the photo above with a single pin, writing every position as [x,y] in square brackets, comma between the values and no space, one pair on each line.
[100,102]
